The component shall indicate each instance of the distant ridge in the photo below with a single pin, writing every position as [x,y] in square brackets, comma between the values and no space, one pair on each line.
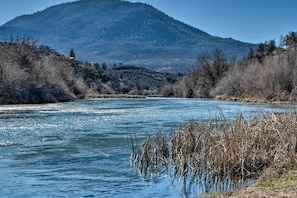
[115,31]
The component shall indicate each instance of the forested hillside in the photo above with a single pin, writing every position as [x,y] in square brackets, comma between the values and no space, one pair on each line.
[38,74]
[116,31]
[267,74]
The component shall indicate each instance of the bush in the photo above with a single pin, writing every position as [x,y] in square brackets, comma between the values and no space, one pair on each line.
[199,83]
[272,79]
[29,76]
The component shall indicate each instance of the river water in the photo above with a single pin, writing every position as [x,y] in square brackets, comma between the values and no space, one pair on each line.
[82,148]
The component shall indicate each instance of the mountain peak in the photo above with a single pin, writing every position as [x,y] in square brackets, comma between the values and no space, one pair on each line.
[115,31]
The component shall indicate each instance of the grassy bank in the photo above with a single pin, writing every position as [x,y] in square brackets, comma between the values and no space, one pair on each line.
[92,94]
[221,155]
[273,182]
[253,100]
[279,181]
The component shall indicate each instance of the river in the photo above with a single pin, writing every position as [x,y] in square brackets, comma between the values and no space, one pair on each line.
[82,148]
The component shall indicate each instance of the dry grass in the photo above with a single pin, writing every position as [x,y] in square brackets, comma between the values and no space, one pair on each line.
[94,94]
[222,156]
[272,183]
[153,154]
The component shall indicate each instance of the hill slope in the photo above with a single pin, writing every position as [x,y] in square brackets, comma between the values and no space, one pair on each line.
[118,31]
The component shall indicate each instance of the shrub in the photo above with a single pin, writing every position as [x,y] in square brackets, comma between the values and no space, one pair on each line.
[29,76]
[272,79]
[208,72]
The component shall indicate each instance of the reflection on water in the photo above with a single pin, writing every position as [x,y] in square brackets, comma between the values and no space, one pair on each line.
[82,148]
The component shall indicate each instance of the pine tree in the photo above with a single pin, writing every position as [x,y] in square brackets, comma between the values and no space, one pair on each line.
[250,54]
[72,54]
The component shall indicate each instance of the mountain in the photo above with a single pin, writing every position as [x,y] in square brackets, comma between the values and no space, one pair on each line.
[115,31]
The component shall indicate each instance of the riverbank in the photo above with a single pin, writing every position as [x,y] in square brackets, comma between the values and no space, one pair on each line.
[272,183]
[92,94]
[253,100]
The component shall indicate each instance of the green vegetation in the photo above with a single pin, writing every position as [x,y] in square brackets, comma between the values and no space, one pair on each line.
[122,79]
[117,31]
[269,74]
[32,74]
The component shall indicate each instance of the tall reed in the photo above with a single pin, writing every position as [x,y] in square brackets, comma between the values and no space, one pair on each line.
[221,156]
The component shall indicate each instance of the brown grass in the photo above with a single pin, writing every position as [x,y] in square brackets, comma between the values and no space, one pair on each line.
[222,156]
[94,94]
[272,183]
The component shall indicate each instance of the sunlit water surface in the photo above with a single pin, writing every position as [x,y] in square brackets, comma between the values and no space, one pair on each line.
[82,148]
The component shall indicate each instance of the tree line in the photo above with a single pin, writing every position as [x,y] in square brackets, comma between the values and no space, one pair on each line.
[268,73]
[38,74]
[122,79]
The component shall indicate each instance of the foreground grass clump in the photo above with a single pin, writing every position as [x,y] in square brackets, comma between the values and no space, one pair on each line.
[222,156]
[273,182]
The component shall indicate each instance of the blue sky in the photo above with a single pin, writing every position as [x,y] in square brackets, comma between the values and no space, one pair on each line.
[245,20]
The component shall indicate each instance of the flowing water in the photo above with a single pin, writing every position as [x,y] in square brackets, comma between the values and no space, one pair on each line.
[82,148]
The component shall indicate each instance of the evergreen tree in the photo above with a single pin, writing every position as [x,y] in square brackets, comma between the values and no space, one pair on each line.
[104,66]
[72,54]
[250,54]
[291,39]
